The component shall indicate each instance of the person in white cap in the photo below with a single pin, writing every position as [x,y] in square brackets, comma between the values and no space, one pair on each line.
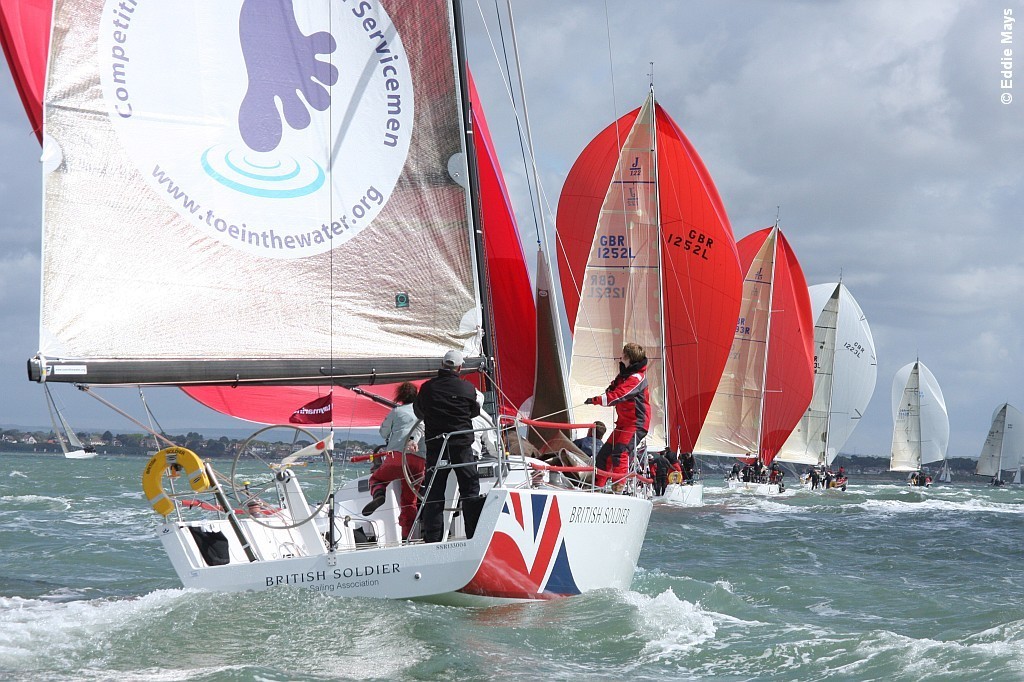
[447,404]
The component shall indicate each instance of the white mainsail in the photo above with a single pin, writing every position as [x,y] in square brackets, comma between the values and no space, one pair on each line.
[1004,445]
[622,298]
[733,424]
[332,237]
[845,370]
[921,423]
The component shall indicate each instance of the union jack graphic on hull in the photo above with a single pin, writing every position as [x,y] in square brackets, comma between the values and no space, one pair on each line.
[526,558]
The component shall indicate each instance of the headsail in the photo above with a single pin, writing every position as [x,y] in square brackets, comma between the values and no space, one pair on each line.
[921,425]
[845,369]
[769,377]
[647,255]
[207,209]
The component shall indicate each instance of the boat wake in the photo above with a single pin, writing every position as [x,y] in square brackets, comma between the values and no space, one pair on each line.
[932,504]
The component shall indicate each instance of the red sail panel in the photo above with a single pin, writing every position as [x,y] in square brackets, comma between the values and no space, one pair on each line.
[579,207]
[277,404]
[512,306]
[790,373]
[702,282]
[25,34]
[701,273]
[515,325]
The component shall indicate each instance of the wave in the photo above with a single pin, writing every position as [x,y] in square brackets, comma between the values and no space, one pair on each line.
[49,503]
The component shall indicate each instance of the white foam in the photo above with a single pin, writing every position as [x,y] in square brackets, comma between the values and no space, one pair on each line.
[14,474]
[34,632]
[63,503]
[933,504]
[670,625]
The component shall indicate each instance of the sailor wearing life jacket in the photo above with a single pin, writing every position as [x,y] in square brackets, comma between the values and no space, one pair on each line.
[629,395]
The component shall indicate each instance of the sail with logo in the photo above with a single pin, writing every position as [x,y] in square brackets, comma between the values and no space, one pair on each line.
[245,218]
[298,208]
[648,256]
[769,376]
[25,36]
[845,369]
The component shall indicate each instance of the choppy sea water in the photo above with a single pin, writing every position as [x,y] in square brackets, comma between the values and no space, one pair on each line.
[879,583]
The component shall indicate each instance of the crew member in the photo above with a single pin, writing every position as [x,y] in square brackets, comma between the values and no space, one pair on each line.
[629,395]
[447,404]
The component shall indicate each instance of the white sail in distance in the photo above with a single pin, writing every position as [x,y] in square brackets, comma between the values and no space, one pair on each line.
[1004,444]
[920,421]
[845,371]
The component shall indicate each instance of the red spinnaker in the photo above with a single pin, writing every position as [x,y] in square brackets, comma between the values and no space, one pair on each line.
[790,372]
[25,34]
[702,290]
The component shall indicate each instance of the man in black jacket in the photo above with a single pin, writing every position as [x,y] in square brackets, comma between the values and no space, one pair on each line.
[447,404]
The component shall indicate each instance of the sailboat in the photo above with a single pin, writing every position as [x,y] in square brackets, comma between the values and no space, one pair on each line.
[769,377]
[69,442]
[648,256]
[329,240]
[1004,445]
[920,422]
[845,370]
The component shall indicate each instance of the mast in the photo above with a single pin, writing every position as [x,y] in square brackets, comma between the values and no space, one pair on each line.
[51,407]
[767,337]
[832,378]
[661,274]
[473,188]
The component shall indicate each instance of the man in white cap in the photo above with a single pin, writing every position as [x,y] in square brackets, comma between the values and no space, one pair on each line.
[447,404]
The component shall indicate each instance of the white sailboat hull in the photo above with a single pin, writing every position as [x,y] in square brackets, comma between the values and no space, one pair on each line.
[79,454]
[753,488]
[682,495]
[529,544]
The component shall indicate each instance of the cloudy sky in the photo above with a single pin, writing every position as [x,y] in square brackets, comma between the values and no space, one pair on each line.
[875,127]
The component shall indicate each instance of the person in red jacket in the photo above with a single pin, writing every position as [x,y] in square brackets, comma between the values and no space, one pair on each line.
[629,395]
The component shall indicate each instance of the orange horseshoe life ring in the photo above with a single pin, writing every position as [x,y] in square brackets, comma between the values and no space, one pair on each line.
[152,476]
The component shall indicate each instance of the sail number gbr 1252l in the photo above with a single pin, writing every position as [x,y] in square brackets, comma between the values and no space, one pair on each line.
[695,241]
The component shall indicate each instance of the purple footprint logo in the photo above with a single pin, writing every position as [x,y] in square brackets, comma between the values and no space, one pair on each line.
[281,64]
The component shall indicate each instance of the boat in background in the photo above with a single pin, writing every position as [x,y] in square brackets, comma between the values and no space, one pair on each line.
[845,370]
[69,442]
[648,256]
[920,433]
[261,254]
[1004,446]
[769,377]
